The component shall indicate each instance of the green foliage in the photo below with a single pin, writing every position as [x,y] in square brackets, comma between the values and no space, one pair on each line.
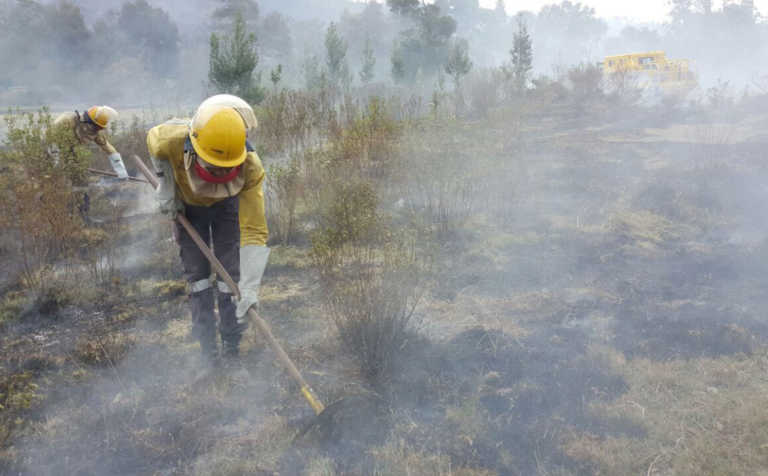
[232,61]
[350,216]
[39,205]
[35,148]
[425,47]
[458,64]
[369,62]
[521,61]
[275,75]
[336,58]
[398,65]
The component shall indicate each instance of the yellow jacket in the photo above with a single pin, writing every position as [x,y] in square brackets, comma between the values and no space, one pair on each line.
[69,121]
[169,141]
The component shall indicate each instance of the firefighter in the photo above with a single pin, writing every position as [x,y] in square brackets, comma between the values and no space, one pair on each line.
[83,129]
[211,174]
[91,127]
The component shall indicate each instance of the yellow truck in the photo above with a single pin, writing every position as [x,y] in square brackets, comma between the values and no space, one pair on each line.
[651,70]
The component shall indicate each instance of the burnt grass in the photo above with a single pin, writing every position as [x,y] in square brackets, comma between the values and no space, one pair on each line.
[483,397]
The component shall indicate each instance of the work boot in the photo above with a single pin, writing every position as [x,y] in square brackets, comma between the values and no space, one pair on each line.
[204,324]
[231,331]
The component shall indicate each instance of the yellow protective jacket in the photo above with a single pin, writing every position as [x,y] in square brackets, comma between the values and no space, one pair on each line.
[170,141]
[69,121]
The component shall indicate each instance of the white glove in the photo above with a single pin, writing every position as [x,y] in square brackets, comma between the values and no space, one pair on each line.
[165,194]
[253,260]
[118,166]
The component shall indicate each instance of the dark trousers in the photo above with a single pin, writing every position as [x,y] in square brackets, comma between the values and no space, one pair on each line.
[219,226]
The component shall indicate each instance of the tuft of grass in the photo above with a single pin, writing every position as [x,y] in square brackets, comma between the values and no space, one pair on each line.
[103,351]
[12,305]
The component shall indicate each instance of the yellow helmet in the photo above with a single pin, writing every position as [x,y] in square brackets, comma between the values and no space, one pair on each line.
[218,136]
[101,115]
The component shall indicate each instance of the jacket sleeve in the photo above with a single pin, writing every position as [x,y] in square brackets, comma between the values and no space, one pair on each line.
[154,145]
[253,221]
[102,141]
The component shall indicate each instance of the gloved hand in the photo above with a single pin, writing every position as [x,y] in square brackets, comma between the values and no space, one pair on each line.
[253,260]
[118,166]
[165,194]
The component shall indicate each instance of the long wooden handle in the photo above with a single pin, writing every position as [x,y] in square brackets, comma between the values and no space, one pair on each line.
[261,324]
[113,174]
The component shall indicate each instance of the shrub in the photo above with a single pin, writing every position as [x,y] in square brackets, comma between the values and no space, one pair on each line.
[283,189]
[439,187]
[371,278]
[586,81]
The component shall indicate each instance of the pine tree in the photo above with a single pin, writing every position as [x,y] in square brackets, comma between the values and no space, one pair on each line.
[522,56]
[336,58]
[369,61]
[232,61]
[458,64]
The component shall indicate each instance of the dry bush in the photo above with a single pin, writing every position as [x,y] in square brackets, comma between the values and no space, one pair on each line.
[486,89]
[368,145]
[625,87]
[371,279]
[283,190]
[348,215]
[41,215]
[440,186]
[43,190]
[373,291]
[586,84]
[288,121]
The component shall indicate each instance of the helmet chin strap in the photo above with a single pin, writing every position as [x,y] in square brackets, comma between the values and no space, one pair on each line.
[209,177]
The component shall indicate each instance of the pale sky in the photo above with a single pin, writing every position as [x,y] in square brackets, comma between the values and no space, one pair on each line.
[642,11]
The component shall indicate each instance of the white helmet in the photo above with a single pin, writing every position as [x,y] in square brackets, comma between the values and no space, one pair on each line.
[228,100]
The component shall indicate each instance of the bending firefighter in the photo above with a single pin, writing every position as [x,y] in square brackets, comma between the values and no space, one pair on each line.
[211,174]
[91,127]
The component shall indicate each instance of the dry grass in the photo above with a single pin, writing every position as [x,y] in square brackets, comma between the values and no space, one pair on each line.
[104,351]
[703,416]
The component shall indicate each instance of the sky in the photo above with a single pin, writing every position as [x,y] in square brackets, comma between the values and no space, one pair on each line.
[642,11]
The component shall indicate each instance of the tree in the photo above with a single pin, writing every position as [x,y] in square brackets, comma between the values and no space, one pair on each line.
[232,62]
[424,47]
[404,7]
[521,56]
[336,58]
[369,62]
[458,64]
[275,75]
[398,65]
[150,34]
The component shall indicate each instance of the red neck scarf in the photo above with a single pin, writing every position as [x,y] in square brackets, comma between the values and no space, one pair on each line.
[209,177]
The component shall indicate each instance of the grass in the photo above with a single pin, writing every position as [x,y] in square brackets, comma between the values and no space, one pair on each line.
[702,416]
[538,384]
